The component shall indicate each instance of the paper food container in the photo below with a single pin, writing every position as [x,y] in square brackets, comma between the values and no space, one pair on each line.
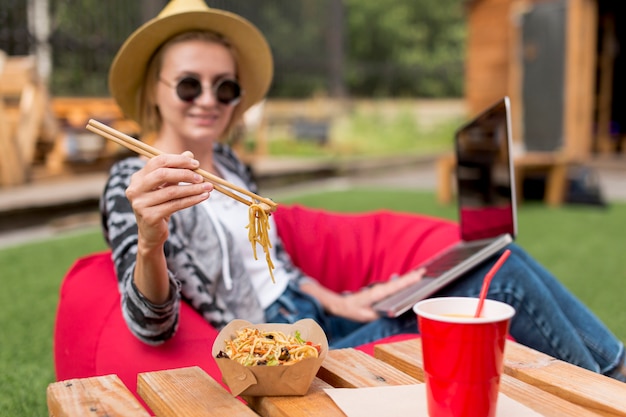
[271,380]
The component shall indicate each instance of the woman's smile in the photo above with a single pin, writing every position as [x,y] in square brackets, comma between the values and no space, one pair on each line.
[202,118]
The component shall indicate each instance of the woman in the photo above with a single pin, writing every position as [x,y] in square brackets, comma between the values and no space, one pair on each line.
[186,77]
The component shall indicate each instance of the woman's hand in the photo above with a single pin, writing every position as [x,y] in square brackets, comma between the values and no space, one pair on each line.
[155,193]
[357,306]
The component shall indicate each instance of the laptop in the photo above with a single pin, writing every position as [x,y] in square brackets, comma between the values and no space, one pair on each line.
[486,205]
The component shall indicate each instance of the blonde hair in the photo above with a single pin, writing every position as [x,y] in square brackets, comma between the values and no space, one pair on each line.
[150,120]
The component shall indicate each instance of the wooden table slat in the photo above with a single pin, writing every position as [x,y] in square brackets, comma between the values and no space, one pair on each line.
[407,357]
[350,368]
[541,401]
[342,368]
[548,386]
[96,396]
[602,394]
[315,403]
[188,392]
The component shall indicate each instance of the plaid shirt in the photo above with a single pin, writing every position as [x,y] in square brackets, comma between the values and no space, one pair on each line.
[194,259]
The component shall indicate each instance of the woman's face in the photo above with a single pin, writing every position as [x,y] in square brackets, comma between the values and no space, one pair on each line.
[204,118]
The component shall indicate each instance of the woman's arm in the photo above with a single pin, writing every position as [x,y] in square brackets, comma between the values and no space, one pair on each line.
[357,306]
[138,238]
[151,275]
[155,193]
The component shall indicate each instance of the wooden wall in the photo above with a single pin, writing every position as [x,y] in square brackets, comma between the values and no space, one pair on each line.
[488,49]
[494,65]
[580,77]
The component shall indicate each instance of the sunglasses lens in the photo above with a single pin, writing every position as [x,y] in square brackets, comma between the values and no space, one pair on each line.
[188,89]
[228,92]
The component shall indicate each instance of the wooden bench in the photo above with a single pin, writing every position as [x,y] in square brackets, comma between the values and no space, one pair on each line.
[191,392]
[555,386]
[75,112]
[28,128]
[544,384]
[554,165]
[35,128]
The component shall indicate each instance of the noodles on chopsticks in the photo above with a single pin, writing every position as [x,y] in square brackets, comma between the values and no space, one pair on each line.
[253,347]
[259,208]
[258,232]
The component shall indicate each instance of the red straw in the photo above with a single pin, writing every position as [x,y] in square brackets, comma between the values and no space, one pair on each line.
[487,281]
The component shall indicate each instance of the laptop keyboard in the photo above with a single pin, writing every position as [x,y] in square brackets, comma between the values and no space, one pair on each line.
[453,257]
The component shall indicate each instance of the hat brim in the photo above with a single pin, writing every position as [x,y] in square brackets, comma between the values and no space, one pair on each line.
[254,58]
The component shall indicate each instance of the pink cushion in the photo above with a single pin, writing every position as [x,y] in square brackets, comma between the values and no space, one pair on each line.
[348,251]
[343,251]
[91,337]
[369,347]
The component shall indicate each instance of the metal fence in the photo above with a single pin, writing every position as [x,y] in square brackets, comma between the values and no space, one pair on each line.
[86,34]
[308,39]
[15,38]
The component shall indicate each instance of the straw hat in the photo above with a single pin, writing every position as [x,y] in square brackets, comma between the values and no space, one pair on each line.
[254,57]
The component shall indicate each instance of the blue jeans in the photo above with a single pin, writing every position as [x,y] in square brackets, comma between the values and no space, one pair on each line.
[294,305]
[547,317]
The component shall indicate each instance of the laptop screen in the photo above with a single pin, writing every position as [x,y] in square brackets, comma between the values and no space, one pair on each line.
[485,181]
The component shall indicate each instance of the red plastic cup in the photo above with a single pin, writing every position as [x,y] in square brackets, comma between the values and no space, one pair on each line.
[462,355]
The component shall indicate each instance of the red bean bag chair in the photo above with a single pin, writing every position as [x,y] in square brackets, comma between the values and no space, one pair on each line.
[343,251]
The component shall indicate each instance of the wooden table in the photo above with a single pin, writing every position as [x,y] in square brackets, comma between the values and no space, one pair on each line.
[553,165]
[548,386]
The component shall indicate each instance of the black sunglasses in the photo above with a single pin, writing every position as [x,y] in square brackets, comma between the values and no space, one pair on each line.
[226,91]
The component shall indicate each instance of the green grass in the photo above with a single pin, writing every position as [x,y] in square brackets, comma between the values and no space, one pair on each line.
[377,129]
[31,275]
[374,132]
[581,245]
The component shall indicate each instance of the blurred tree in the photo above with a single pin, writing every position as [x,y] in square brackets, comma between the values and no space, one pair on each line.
[14,36]
[296,32]
[387,48]
[405,47]
[85,37]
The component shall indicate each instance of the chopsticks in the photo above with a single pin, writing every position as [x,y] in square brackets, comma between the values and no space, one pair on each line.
[150,152]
